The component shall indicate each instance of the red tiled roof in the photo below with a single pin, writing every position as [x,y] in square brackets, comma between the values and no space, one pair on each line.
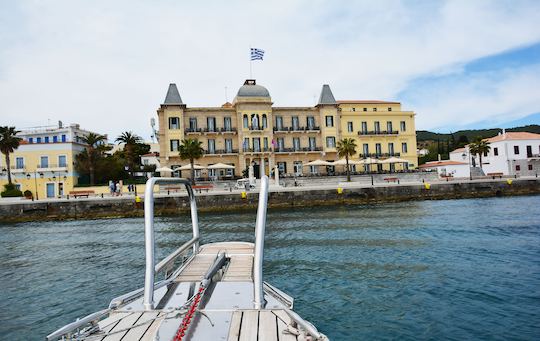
[366,102]
[514,136]
[459,150]
[441,163]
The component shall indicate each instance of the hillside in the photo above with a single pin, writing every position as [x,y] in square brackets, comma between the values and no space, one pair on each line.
[424,135]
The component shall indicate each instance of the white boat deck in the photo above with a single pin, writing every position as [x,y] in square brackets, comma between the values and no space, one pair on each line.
[226,313]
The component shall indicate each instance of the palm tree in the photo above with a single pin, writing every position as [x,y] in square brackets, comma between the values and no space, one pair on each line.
[8,143]
[129,139]
[480,147]
[191,149]
[346,148]
[94,148]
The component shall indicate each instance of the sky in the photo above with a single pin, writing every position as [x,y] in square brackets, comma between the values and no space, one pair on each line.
[107,64]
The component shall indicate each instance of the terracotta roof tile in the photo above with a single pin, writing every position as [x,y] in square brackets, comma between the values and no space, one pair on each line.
[441,163]
[514,136]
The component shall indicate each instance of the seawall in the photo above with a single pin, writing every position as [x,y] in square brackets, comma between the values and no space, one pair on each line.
[283,198]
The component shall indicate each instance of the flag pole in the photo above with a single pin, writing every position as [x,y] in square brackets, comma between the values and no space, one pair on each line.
[250,64]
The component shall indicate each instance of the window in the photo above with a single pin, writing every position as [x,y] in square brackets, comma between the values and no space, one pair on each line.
[377,127]
[30,140]
[55,139]
[330,142]
[296,143]
[365,149]
[264,121]
[353,109]
[389,126]
[378,149]
[297,167]
[518,167]
[391,149]
[63,138]
[227,123]
[46,139]
[257,144]
[404,147]
[62,161]
[265,143]
[282,167]
[529,151]
[313,169]
[349,127]
[311,122]
[255,122]
[402,126]
[246,144]
[530,167]
[374,109]
[174,145]
[19,163]
[281,143]
[228,145]
[279,123]
[211,123]
[44,162]
[389,109]
[295,123]
[329,121]
[174,123]
[246,122]
[312,144]
[193,124]
[495,151]
[211,146]
[38,140]
[365,109]
[516,150]
[364,127]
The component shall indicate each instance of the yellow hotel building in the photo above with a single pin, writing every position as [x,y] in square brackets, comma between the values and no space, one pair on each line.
[44,161]
[251,131]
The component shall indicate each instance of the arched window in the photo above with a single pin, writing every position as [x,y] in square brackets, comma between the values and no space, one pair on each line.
[264,121]
[246,123]
[254,121]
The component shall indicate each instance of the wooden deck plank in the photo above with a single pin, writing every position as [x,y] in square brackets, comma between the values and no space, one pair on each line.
[250,325]
[126,322]
[267,326]
[150,334]
[234,330]
[283,320]
[110,322]
[138,332]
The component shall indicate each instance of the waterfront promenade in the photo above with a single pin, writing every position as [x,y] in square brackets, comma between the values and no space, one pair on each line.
[360,191]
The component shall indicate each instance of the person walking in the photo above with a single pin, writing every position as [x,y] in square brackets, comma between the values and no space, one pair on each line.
[111,188]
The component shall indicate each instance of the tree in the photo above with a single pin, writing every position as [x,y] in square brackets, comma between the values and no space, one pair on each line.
[191,149]
[9,141]
[94,149]
[346,148]
[130,140]
[480,147]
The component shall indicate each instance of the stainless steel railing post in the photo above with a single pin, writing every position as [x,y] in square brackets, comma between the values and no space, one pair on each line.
[260,226]
[149,277]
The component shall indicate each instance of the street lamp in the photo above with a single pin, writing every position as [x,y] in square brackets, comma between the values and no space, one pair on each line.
[35,182]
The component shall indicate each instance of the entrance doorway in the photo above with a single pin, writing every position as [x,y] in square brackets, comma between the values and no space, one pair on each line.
[50,190]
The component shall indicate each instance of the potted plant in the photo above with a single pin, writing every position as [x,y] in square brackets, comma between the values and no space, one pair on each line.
[28,194]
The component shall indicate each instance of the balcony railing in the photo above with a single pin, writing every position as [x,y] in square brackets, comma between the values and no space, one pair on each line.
[378,132]
[378,155]
[256,150]
[52,165]
[221,151]
[296,129]
[209,130]
[298,150]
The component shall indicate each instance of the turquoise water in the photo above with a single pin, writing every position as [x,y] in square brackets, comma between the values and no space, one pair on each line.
[455,269]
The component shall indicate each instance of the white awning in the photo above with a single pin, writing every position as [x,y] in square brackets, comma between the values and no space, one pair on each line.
[220,166]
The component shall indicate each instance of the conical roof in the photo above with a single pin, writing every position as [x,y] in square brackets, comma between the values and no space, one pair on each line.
[173,96]
[327,97]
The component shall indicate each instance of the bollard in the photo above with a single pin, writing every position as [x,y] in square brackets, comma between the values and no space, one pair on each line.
[423,181]
[243,195]
[372,180]
[102,195]
[398,181]
[339,190]
[509,181]
[427,185]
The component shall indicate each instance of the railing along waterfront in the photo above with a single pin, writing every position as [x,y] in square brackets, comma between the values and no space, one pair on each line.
[151,268]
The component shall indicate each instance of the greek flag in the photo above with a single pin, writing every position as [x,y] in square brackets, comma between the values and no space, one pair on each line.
[257,54]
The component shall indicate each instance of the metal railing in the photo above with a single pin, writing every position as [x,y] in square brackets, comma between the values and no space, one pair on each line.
[260,227]
[151,268]
[378,132]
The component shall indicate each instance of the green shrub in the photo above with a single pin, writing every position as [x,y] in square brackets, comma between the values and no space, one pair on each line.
[11,191]
[28,194]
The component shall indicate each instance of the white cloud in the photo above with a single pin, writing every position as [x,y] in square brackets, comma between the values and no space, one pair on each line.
[106,65]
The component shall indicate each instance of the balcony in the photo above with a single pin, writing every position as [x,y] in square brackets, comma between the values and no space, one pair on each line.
[210,130]
[296,129]
[377,132]
[221,151]
[256,128]
[51,167]
[378,155]
[298,150]
[256,150]
[18,168]
[533,156]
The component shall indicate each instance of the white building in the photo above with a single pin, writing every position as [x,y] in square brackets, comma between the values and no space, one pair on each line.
[448,168]
[54,134]
[513,153]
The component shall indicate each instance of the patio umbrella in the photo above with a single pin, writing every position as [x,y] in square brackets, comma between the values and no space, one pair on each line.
[343,162]
[370,160]
[319,163]
[164,169]
[220,166]
[188,167]
[394,160]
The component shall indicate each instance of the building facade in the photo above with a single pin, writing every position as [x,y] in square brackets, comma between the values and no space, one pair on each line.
[251,131]
[44,161]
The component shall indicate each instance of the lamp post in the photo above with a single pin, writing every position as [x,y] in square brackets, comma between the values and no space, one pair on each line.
[35,182]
